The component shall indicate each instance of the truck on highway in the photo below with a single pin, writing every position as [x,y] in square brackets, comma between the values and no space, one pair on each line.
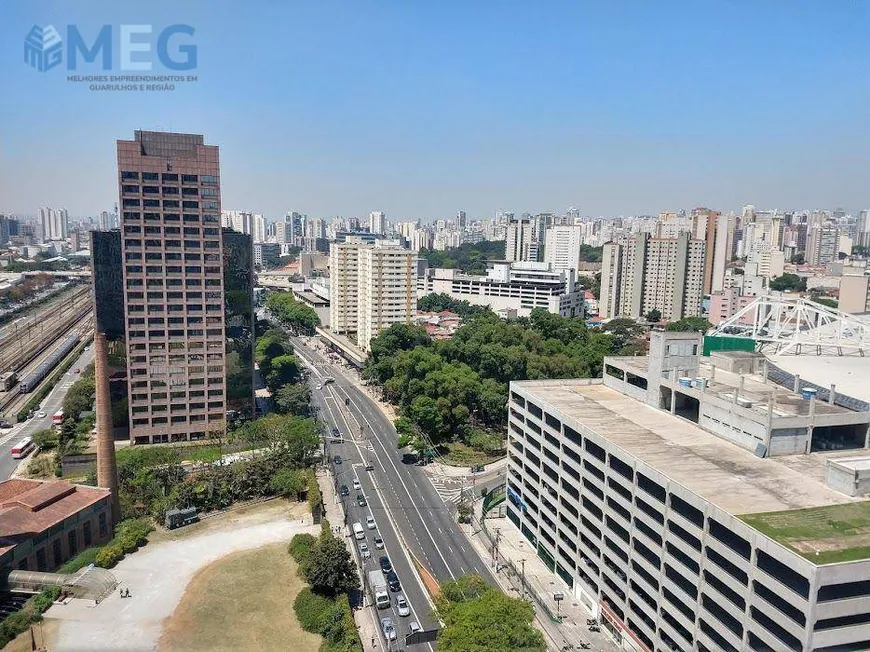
[57,418]
[378,587]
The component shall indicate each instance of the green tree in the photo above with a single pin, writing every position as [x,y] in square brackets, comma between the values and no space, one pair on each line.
[789,283]
[289,483]
[686,324]
[297,316]
[480,618]
[293,399]
[79,398]
[292,440]
[283,370]
[328,567]
[654,316]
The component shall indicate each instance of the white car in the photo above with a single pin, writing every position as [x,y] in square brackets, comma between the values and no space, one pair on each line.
[414,627]
[356,484]
[402,606]
[379,543]
[364,551]
[370,522]
[41,414]
[388,629]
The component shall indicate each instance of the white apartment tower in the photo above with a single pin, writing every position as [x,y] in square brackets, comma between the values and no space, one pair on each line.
[53,223]
[562,247]
[376,222]
[525,238]
[386,290]
[371,287]
[343,283]
[259,226]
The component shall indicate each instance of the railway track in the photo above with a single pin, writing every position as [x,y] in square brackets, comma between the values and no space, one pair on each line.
[12,401]
[20,345]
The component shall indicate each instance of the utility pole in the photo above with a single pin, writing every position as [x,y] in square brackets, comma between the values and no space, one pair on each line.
[523,564]
[495,547]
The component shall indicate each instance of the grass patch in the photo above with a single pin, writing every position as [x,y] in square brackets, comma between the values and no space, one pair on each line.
[241,602]
[824,535]
[459,454]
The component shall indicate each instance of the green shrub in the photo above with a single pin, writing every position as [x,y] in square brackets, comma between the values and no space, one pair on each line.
[312,610]
[86,557]
[132,533]
[403,441]
[109,555]
[299,547]
[340,629]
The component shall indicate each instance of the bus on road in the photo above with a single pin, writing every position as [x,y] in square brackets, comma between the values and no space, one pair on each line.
[57,418]
[22,448]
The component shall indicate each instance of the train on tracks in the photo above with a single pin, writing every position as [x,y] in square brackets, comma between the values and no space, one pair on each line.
[31,381]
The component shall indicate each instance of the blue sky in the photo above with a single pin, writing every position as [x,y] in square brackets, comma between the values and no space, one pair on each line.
[424,108]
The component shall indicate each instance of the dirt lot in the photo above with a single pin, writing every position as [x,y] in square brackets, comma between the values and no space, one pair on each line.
[241,602]
[159,574]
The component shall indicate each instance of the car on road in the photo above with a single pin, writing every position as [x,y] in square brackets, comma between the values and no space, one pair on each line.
[386,566]
[402,606]
[379,543]
[393,581]
[5,424]
[41,414]
[77,370]
[414,627]
[328,379]
[344,490]
[370,522]
[356,484]
[319,386]
[388,629]
[364,551]
[361,500]
[336,459]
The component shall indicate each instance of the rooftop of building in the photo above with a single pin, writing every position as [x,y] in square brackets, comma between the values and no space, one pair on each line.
[786,497]
[848,372]
[28,507]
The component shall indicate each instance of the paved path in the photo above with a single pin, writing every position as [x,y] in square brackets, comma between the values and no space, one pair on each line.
[157,576]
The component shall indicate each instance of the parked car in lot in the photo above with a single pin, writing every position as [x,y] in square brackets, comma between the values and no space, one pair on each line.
[393,581]
[402,606]
[386,566]
[344,490]
[370,522]
[379,543]
[364,551]
[388,629]
[361,500]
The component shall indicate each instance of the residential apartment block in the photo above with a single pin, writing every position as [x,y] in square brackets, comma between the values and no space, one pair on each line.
[642,273]
[371,287]
[648,518]
[525,238]
[515,288]
[187,290]
[562,246]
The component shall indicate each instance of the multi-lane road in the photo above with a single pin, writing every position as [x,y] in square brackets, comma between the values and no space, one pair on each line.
[51,404]
[426,522]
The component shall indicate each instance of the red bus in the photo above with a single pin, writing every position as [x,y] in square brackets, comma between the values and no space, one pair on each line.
[57,418]
[23,448]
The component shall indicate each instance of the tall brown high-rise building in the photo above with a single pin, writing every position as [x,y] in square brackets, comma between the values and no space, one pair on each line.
[173,286]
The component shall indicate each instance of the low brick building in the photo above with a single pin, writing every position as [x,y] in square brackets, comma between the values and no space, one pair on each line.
[43,524]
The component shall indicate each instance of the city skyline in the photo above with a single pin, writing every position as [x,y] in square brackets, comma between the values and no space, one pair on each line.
[443,115]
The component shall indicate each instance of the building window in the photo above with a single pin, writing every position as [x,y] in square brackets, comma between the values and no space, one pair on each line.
[101,520]
[57,552]
[72,543]
[40,560]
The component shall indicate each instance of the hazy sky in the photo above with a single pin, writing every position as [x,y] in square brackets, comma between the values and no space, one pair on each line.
[422,108]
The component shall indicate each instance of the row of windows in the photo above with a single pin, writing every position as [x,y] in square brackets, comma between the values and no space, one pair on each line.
[152,216]
[171,230]
[178,419]
[169,177]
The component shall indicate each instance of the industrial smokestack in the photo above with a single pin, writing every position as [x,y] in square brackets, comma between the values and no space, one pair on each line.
[107,469]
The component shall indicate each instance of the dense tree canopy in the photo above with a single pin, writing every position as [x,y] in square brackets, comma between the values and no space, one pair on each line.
[478,618]
[329,568]
[290,312]
[438,302]
[293,440]
[789,282]
[470,258]
[447,388]
[698,324]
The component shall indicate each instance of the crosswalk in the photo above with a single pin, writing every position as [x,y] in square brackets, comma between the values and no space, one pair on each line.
[449,490]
